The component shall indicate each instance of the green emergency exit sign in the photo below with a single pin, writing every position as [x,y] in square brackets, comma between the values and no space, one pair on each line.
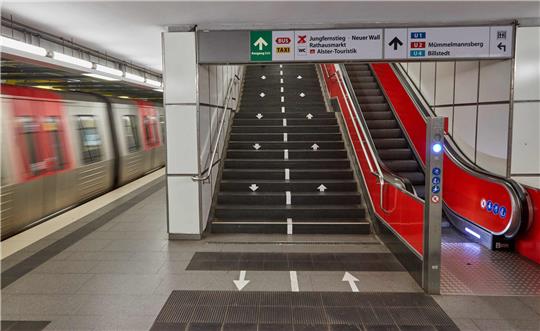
[261,45]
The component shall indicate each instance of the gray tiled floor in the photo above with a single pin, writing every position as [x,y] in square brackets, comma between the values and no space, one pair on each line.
[119,276]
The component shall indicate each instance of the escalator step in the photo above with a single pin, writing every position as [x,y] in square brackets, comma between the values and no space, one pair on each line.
[402,165]
[378,115]
[382,124]
[396,154]
[391,143]
[386,133]
[416,178]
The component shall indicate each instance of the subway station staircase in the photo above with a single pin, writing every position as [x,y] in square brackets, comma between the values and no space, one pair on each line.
[393,149]
[286,168]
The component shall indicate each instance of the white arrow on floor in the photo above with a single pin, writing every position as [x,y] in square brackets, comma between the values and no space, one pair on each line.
[302,95]
[257,146]
[322,188]
[351,279]
[263,77]
[298,77]
[309,116]
[262,95]
[241,282]
[314,147]
[259,116]
[254,187]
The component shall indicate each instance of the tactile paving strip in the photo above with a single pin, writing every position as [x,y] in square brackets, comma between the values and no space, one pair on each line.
[468,268]
[294,261]
[314,311]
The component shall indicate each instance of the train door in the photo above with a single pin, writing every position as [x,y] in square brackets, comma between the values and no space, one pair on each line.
[150,125]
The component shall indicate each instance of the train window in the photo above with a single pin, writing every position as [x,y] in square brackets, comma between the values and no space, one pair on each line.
[90,139]
[29,130]
[131,133]
[51,125]
[151,131]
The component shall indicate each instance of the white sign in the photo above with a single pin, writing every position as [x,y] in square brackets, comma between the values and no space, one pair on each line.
[338,44]
[395,43]
[500,41]
[282,45]
[457,42]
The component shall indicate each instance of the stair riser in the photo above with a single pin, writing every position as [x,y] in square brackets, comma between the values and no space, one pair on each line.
[290,137]
[274,122]
[297,214]
[288,145]
[292,155]
[285,129]
[275,175]
[300,113]
[294,110]
[290,164]
[288,186]
[336,228]
[262,199]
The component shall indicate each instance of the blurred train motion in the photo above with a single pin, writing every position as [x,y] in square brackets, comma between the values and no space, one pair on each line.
[60,149]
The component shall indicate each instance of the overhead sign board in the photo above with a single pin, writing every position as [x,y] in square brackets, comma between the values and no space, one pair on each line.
[367,44]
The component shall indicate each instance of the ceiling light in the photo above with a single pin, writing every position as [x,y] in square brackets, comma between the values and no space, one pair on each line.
[108,70]
[72,60]
[134,77]
[111,79]
[158,89]
[123,97]
[153,82]
[20,46]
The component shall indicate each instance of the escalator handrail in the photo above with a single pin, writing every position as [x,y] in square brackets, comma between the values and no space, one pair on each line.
[519,196]
[401,183]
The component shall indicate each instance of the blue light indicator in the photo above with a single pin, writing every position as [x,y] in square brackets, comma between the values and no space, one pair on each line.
[502,212]
[489,205]
[436,180]
[437,148]
[436,171]
[436,189]
[495,208]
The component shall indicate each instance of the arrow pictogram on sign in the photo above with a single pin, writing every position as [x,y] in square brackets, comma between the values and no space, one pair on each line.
[261,43]
[396,43]
[501,46]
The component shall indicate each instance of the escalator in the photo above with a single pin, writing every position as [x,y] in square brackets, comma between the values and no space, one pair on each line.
[395,118]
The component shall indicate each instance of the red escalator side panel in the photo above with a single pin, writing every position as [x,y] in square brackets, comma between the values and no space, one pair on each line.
[528,244]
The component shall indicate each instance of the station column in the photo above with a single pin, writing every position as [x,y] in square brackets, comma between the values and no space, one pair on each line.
[181,103]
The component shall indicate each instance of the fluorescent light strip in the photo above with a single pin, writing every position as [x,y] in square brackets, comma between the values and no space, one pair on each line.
[72,60]
[24,47]
[158,89]
[153,82]
[134,77]
[472,232]
[111,79]
[107,70]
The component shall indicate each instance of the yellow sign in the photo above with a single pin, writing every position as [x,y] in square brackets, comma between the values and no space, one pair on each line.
[283,49]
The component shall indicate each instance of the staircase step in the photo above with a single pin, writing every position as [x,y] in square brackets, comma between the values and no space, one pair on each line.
[291,185]
[291,155]
[259,137]
[247,110]
[287,164]
[290,121]
[290,145]
[285,129]
[298,227]
[300,113]
[313,213]
[278,174]
[279,198]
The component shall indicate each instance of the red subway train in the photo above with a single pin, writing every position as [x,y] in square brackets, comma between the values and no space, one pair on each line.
[60,149]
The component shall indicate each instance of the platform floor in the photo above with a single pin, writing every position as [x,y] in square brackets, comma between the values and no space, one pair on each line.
[120,273]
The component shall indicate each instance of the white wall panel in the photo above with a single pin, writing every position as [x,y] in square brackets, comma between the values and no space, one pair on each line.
[527,75]
[464,127]
[491,151]
[495,77]
[466,82]
[181,139]
[180,63]
[205,135]
[444,93]
[526,138]
[445,112]
[427,81]
[413,70]
[183,204]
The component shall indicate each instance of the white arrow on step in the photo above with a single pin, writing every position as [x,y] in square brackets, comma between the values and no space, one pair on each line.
[254,187]
[262,95]
[302,95]
[257,146]
[263,77]
[241,282]
[261,43]
[314,147]
[298,77]
[309,116]
[322,188]
[351,280]
[259,116]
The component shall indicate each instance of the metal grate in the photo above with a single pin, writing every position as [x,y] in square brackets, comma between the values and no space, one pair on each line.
[300,311]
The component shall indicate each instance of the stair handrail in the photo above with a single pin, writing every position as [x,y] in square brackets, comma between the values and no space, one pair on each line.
[341,72]
[205,174]
[520,197]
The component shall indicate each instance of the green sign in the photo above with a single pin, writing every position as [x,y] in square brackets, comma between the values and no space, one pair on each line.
[260,43]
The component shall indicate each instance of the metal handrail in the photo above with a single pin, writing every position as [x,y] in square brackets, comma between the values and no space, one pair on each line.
[518,194]
[366,139]
[228,98]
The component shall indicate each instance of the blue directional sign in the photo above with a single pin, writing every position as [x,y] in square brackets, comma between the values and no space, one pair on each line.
[489,205]
[418,35]
[418,53]
[495,208]
[436,180]
[436,189]
[436,171]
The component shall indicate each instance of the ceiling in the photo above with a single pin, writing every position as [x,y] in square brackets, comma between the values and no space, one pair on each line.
[16,72]
[131,30]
